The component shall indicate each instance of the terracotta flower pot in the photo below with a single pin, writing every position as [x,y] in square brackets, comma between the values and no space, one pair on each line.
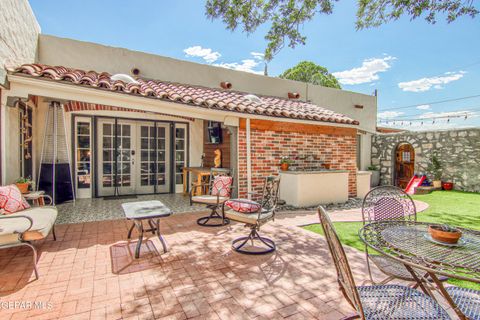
[437,184]
[444,236]
[447,185]
[284,166]
[23,187]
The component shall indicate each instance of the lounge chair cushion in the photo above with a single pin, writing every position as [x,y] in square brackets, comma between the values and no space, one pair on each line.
[222,186]
[208,199]
[43,220]
[11,200]
[249,218]
[243,205]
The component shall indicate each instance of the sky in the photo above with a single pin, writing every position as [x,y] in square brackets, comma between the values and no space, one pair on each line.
[427,76]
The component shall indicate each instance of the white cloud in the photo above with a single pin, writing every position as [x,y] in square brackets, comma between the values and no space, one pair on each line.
[425,84]
[424,107]
[389,114]
[246,65]
[368,72]
[257,55]
[206,54]
[453,114]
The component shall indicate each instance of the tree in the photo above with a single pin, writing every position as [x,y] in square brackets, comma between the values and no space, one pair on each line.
[307,71]
[287,16]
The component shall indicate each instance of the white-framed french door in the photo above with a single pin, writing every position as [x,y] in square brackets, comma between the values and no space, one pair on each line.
[116,157]
[154,157]
[140,157]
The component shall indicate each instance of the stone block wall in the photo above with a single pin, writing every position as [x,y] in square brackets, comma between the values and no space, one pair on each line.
[18,35]
[268,146]
[457,150]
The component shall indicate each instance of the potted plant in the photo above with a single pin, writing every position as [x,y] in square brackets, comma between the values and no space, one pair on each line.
[285,163]
[445,233]
[23,184]
[435,168]
[375,178]
[447,185]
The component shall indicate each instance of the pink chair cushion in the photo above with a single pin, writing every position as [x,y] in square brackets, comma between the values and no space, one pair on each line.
[11,200]
[222,185]
[243,205]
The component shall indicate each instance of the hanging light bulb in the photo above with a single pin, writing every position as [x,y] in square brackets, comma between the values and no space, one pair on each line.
[410,122]
[421,123]
[433,122]
[448,120]
[465,117]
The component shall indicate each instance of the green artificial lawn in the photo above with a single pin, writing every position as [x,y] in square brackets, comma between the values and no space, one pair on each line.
[455,208]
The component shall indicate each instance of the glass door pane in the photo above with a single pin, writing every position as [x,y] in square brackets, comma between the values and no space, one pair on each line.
[83,152]
[180,154]
[163,157]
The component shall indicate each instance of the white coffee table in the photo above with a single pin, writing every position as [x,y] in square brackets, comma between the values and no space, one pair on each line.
[151,211]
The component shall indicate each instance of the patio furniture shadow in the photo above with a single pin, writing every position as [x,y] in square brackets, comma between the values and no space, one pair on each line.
[123,260]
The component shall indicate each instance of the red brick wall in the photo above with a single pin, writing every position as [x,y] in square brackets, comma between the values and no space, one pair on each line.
[269,146]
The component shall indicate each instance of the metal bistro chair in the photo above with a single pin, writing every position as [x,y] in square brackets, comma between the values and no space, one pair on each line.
[214,193]
[388,203]
[255,220]
[377,301]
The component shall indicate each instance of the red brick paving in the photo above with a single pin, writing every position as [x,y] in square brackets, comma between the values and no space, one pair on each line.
[89,273]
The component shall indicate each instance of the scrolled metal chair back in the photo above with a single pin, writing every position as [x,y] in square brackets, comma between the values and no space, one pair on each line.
[344,273]
[388,203]
[217,172]
[270,193]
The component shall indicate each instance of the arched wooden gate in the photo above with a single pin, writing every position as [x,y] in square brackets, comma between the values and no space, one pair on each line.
[404,164]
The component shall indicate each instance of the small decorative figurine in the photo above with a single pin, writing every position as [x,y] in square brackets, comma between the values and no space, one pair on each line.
[218,158]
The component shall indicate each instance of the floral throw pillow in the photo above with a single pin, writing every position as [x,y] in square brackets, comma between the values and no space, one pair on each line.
[222,186]
[243,205]
[11,200]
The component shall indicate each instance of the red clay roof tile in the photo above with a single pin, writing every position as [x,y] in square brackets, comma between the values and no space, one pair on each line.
[220,99]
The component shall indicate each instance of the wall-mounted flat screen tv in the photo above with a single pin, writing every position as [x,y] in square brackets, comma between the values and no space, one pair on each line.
[214,132]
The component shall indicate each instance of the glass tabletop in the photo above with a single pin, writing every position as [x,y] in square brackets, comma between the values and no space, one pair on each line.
[410,242]
[145,209]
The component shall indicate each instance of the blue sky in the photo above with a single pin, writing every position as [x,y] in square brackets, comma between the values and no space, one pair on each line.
[409,62]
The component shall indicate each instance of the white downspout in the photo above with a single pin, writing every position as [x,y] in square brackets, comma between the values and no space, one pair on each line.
[249,161]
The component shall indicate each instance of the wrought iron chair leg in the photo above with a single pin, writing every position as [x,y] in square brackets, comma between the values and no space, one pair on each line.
[34,258]
[203,221]
[254,235]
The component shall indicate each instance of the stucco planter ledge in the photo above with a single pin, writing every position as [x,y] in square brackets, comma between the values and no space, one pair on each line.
[311,188]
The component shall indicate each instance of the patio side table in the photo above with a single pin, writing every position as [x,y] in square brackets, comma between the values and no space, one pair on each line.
[151,211]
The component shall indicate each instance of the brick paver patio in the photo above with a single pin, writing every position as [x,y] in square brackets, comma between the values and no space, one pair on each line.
[89,273]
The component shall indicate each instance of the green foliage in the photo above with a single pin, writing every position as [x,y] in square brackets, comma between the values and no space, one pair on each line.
[307,71]
[23,180]
[286,17]
[435,167]
[286,160]
[372,168]
[373,13]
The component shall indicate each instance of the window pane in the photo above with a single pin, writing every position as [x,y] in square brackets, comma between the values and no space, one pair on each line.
[179,145]
[126,130]
[161,133]
[107,155]
[84,142]
[126,143]
[83,128]
[107,142]
[180,133]
[107,168]
[144,143]
[178,179]
[107,129]
[144,131]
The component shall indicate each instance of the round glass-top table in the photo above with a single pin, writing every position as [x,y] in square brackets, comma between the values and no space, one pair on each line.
[410,243]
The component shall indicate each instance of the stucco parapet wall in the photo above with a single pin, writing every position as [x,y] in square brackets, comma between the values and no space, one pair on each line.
[314,171]
[93,56]
[457,150]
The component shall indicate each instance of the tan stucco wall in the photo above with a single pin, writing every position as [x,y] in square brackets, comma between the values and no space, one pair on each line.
[311,189]
[91,56]
[18,34]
